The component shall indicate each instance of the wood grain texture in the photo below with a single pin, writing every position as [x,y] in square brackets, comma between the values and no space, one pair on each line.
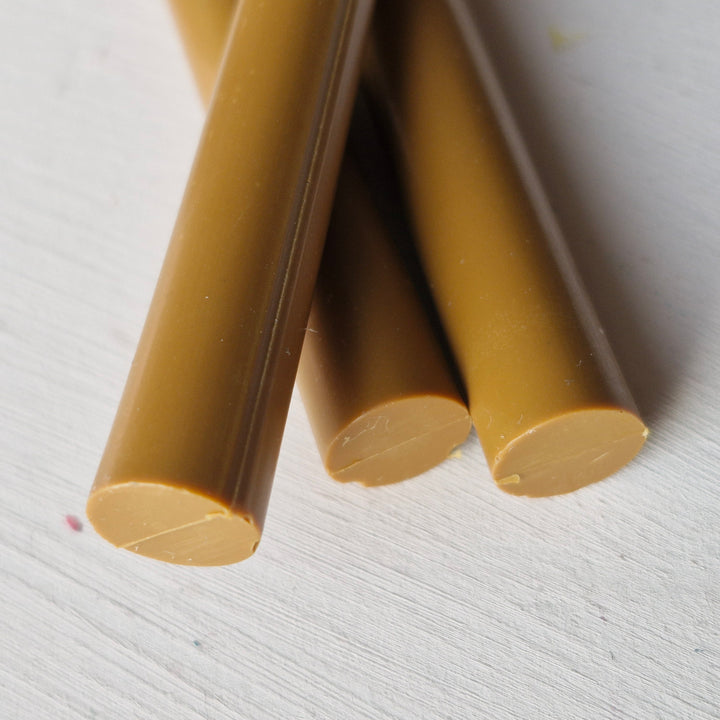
[440,597]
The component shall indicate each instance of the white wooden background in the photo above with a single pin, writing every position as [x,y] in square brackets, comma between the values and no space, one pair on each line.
[440,597]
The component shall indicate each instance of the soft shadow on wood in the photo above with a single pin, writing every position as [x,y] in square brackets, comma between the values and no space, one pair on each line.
[589,240]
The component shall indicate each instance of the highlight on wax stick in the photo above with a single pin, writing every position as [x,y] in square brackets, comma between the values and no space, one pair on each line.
[188,467]
[377,389]
[546,397]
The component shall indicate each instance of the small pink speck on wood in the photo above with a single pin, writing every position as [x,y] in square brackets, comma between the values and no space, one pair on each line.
[73,523]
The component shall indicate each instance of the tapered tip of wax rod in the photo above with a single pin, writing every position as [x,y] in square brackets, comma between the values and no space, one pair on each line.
[398,439]
[569,451]
[172,524]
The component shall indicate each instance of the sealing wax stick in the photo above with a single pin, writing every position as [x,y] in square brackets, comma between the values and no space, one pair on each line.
[188,467]
[381,400]
[376,386]
[546,397]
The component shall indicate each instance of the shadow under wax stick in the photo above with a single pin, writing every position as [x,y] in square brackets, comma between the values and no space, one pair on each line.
[188,467]
[547,399]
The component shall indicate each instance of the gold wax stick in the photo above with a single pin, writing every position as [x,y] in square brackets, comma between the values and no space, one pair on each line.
[377,389]
[546,397]
[188,467]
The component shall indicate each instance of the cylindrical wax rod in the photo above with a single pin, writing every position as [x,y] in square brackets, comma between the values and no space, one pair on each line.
[378,392]
[188,467]
[546,397]
[381,400]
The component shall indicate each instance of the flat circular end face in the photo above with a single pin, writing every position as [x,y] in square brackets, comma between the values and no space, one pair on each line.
[569,451]
[397,440]
[172,524]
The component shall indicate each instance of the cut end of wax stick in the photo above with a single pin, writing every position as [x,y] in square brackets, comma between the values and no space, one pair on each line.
[378,391]
[188,467]
[549,403]
[569,451]
[173,524]
[398,440]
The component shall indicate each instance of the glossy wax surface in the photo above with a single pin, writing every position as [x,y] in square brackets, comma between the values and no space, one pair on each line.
[436,598]
[188,466]
[380,397]
[548,404]
[377,390]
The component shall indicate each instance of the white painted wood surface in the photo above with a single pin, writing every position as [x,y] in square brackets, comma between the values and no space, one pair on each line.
[440,597]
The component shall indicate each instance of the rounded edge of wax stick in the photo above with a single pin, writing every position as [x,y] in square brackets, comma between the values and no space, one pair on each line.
[569,451]
[397,440]
[173,524]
